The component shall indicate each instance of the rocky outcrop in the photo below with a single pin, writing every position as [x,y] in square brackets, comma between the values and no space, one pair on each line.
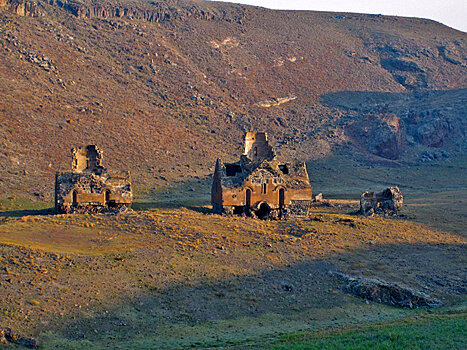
[393,64]
[155,11]
[451,54]
[381,134]
[276,101]
[433,132]
[387,202]
[20,7]
[430,155]
[383,292]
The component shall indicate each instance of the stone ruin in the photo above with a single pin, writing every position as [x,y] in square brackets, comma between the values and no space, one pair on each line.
[387,202]
[260,185]
[90,187]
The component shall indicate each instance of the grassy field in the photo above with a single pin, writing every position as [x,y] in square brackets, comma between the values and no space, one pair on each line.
[172,275]
[443,331]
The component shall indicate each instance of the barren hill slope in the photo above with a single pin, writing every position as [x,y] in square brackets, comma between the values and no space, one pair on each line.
[166,87]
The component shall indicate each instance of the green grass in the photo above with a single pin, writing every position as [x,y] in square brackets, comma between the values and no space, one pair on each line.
[435,332]
[24,206]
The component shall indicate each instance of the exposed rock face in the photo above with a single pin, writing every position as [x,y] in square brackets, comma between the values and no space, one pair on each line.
[387,293]
[433,132]
[276,101]
[387,202]
[451,54]
[154,11]
[381,134]
[403,64]
[20,7]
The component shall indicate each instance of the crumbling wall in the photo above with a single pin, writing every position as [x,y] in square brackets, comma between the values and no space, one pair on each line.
[90,187]
[86,158]
[257,147]
[387,202]
[259,185]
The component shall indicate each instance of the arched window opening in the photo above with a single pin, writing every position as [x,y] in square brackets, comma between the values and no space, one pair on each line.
[107,197]
[281,197]
[74,198]
[248,198]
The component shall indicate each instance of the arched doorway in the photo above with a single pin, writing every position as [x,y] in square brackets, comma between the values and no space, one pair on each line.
[107,197]
[248,198]
[281,197]
[74,200]
[263,211]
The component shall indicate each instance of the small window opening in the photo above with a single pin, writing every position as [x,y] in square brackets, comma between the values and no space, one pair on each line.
[284,169]
[232,169]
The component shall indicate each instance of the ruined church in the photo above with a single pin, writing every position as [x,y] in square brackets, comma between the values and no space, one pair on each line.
[260,185]
[90,187]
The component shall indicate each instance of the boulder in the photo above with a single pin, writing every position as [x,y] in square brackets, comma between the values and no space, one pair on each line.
[387,202]
[383,292]
[7,335]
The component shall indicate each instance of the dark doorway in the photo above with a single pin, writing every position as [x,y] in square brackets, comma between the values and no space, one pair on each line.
[263,211]
[248,198]
[239,210]
[74,198]
[281,197]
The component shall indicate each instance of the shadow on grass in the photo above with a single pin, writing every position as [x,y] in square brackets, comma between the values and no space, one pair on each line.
[247,310]
[170,205]
[26,212]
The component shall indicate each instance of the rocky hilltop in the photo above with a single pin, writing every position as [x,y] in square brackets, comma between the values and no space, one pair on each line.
[166,87]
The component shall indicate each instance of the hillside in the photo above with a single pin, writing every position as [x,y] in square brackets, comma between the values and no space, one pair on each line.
[166,87]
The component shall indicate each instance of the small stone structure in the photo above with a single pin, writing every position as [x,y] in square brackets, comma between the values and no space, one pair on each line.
[387,202]
[261,185]
[90,187]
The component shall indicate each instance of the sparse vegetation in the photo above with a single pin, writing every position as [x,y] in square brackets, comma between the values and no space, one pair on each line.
[164,100]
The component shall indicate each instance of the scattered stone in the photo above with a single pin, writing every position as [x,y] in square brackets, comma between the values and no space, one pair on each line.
[319,197]
[431,155]
[393,294]
[387,202]
[286,287]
